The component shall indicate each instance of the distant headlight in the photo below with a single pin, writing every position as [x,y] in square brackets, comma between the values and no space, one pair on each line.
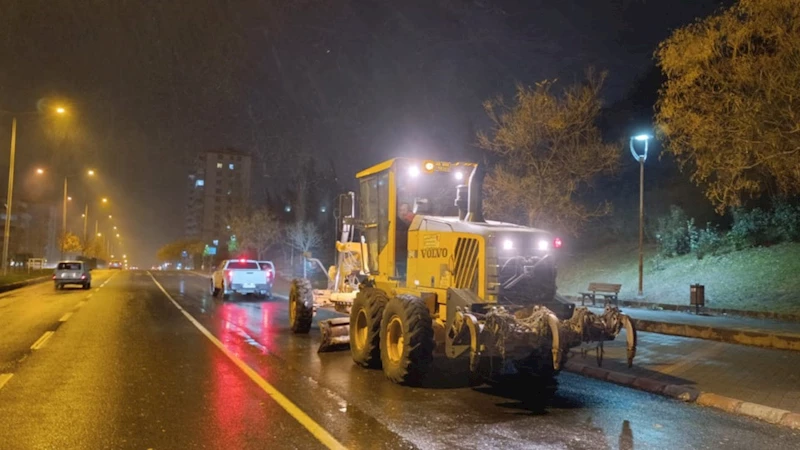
[543,245]
[508,244]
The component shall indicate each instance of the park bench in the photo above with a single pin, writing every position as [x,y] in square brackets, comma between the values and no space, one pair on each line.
[609,291]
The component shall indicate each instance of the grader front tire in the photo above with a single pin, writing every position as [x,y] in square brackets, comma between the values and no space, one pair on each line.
[301,306]
[365,327]
[406,339]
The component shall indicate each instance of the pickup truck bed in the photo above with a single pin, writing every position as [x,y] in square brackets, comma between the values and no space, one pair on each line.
[240,277]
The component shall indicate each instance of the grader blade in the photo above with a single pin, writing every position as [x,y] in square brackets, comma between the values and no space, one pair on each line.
[335,334]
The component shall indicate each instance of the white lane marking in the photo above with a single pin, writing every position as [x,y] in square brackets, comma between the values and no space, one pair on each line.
[80,303]
[96,289]
[307,422]
[4,377]
[42,340]
[89,296]
[65,317]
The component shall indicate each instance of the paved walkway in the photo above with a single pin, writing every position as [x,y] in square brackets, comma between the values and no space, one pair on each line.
[763,376]
[746,324]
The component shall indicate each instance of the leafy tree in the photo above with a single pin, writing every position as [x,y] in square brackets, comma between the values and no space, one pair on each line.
[549,149]
[730,108]
[96,248]
[255,229]
[70,243]
[174,250]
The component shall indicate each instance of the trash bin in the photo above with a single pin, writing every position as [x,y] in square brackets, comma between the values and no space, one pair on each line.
[697,296]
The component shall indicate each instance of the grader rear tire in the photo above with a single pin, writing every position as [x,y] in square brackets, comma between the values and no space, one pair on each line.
[365,327]
[301,306]
[406,340]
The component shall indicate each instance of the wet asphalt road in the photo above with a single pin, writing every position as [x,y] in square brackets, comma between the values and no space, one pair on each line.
[127,369]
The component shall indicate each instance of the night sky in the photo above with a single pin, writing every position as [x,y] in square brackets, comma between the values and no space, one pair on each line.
[151,83]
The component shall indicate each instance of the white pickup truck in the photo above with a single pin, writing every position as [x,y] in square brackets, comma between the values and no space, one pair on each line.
[239,276]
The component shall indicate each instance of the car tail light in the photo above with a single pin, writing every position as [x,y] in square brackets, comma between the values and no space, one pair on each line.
[229,274]
[269,274]
[83,276]
[54,276]
[557,242]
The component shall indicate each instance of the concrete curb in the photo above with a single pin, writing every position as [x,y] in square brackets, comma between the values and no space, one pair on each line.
[729,335]
[22,284]
[689,394]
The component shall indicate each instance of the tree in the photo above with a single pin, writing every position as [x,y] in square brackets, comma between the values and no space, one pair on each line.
[174,250]
[70,243]
[255,229]
[549,149]
[96,248]
[730,108]
[303,236]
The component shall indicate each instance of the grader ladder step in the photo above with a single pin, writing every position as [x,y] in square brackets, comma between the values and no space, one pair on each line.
[335,334]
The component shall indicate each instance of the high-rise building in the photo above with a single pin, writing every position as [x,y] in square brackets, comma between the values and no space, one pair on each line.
[218,180]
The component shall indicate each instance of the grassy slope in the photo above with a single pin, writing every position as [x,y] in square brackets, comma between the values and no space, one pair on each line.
[758,279]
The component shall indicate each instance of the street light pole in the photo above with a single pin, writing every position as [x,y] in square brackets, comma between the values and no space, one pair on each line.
[7,231]
[64,220]
[85,222]
[641,158]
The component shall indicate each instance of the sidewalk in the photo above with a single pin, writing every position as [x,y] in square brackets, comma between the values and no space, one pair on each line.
[766,333]
[745,374]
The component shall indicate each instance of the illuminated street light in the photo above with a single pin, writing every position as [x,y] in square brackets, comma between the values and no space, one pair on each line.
[99,234]
[109,216]
[117,234]
[40,171]
[69,199]
[61,110]
[90,172]
[641,158]
[10,192]
[115,227]
[105,200]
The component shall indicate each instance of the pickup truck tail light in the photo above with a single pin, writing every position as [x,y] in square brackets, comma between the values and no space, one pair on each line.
[270,275]
[557,242]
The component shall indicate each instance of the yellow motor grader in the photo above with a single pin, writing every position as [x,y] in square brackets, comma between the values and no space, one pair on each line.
[421,272]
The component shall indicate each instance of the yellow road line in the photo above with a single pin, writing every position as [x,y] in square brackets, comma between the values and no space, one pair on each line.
[42,340]
[314,428]
[65,317]
[4,377]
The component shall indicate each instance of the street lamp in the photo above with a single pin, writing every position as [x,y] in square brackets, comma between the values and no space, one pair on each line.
[641,158]
[10,198]
[39,171]
[67,198]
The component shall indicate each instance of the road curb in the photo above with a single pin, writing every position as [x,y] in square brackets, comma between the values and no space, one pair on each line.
[689,394]
[729,335]
[22,284]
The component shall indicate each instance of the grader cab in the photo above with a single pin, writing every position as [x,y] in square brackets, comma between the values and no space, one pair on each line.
[421,272]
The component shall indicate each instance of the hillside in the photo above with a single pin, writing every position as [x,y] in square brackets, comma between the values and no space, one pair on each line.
[756,279]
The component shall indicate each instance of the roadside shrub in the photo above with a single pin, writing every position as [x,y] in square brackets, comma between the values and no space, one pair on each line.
[672,233]
[707,241]
[784,222]
[750,228]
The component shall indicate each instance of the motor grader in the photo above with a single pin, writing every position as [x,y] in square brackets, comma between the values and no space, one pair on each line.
[444,280]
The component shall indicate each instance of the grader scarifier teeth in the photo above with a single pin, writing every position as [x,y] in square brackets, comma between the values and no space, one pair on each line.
[515,336]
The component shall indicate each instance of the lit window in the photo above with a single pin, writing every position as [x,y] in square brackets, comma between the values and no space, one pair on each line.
[199,183]
[219,165]
[230,166]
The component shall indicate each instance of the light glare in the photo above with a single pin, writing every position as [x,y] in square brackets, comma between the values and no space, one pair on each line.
[413,171]
[508,244]
[459,176]
[642,137]
[543,245]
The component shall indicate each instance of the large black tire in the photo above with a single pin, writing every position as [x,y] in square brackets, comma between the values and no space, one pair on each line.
[406,340]
[301,306]
[365,327]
